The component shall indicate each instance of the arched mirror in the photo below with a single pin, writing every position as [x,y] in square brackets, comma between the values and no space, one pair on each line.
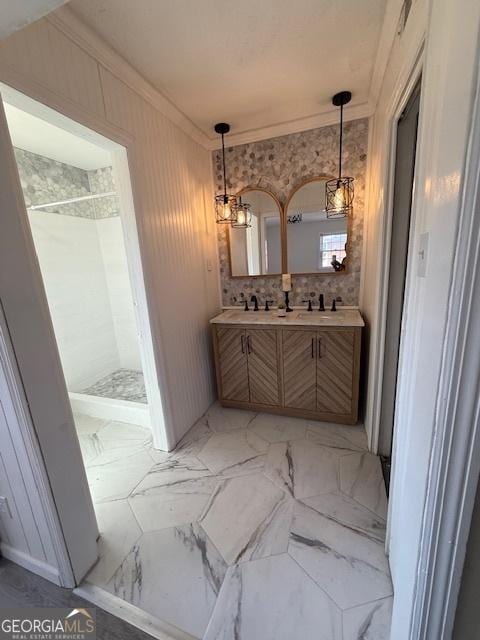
[315,243]
[257,251]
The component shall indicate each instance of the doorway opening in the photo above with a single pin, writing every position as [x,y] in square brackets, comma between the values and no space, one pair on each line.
[79,207]
[404,171]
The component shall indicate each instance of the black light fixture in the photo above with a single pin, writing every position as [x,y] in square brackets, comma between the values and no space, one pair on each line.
[294,218]
[243,215]
[339,191]
[225,204]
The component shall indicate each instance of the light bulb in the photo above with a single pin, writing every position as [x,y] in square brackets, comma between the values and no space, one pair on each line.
[241,218]
[227,212]
[339,198]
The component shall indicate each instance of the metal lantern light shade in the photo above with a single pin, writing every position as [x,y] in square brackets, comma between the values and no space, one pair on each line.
[339,197]
[244,215]
[339,191]
[225,209]
[225,203]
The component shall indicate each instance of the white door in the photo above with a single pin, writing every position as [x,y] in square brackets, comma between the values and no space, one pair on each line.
[30,328]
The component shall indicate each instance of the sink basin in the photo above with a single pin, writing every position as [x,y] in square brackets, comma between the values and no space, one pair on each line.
[310,315]
[252,315]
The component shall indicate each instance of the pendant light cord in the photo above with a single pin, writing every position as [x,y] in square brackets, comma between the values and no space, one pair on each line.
[224,170]
[341,142]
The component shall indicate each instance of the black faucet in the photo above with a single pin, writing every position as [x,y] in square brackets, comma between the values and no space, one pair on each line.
[254,299]
[334,305]
[246,305]
[309,304]
[267,302]
[321,306]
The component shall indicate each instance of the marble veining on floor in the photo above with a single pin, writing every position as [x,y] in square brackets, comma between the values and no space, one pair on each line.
[257,527]
[123,384]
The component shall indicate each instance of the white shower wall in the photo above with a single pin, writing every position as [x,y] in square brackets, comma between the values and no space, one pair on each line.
[85,274]
[112,249]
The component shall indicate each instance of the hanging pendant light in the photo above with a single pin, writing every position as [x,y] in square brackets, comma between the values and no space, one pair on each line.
[243,214]
[225,204]
[339,191]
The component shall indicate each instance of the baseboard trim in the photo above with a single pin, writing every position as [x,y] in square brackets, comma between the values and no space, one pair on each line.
[130,613]
[31,564]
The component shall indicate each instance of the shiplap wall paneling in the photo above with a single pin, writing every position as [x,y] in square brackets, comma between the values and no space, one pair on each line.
[172,184]
[43,55]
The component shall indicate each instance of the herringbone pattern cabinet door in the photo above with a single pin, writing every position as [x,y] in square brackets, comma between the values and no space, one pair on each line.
[335,371]
[232,355]
[263,366]
[299,363]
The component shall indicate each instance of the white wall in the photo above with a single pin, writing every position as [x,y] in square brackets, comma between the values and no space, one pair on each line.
[450,29]
[115,265]
[85,273]
[73,273]
[26,537]
[274,244]
[303,243]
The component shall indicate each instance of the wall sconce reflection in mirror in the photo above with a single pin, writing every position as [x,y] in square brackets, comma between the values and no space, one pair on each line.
[294,218]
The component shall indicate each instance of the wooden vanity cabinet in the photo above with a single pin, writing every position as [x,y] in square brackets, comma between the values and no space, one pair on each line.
[320,371]
[299,371]
[247,365]
[232,364]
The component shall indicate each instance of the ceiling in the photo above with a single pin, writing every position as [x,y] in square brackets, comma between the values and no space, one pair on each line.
[38,136]
[16,15]
[254,64]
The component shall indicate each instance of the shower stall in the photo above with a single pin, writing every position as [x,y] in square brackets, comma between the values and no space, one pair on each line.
[74,215]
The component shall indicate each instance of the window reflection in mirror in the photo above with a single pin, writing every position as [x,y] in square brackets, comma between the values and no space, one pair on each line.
[258,250]
[314,242]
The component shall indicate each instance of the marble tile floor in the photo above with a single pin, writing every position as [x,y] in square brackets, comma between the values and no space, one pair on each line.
[123,384]
[257,527]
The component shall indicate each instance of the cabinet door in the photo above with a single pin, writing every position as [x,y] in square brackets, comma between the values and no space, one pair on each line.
[263,366]
[232,361]
[299,361]
[335,363]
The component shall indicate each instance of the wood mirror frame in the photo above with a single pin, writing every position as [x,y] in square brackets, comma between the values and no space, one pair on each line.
[282,234]
[317,178]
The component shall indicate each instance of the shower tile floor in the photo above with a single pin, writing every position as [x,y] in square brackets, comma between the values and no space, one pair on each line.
[257,527]
[123,384]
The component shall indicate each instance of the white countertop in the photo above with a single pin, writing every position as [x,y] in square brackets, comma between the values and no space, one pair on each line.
[297,317]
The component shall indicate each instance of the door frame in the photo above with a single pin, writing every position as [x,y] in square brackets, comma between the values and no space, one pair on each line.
[118,150]
[400,100]
[455,458]
[45,397]
[31,467]
[397,109]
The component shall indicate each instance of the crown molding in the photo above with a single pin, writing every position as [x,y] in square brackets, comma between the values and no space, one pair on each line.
[323,119]
[76,30]
[388,33]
